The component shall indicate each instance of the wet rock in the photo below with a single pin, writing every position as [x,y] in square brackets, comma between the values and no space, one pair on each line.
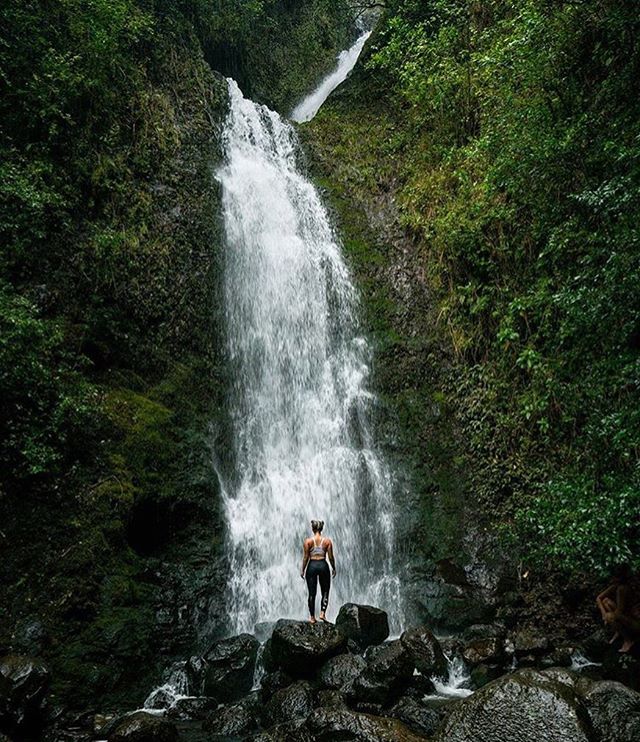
[614,710]
[449,600]
[143,727]
[23,685]
[527,641]
[526,706]
[273,681]
[388,671]
[424,651]
[300,648]
[417,716]
[558,657]
[363,624]
[160,698]
[100,724]
[420,686]
[230,664]
[291,732]
[31,637]
[189,708]
[621,667]
[340,670]
[452,646]
[266,657]
[195,669]
[350,726]
[483,674]
[234,720]
[365,707]
[287,704]
[488,651]
[331,699]
[483,631]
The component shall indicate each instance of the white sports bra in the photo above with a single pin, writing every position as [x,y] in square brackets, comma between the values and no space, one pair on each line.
[318,549]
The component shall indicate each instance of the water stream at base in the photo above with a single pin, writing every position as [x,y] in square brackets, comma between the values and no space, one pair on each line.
[300,407]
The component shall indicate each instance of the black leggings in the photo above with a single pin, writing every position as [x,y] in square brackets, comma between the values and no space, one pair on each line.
[318,569]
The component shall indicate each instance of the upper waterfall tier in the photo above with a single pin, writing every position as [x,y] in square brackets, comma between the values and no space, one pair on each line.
[309,106]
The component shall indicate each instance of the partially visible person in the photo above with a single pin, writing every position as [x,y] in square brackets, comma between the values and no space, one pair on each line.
[315,551]
[619,605]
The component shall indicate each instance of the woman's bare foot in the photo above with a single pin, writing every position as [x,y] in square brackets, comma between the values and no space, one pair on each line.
[614,638]
[626,646]
[312,619]
[323,617]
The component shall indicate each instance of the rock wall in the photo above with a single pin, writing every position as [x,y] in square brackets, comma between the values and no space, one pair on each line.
[114,559]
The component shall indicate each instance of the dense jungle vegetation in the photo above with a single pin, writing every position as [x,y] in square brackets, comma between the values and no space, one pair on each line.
[495,143]
[504,137]
[110,381]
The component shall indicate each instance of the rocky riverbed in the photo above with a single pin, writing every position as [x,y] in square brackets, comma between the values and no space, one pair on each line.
[350,681]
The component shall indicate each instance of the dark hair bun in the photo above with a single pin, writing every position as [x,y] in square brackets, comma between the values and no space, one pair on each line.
[317,526]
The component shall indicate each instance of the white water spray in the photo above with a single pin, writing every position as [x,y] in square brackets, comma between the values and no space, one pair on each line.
[302,444]
[457,684]
[309,106]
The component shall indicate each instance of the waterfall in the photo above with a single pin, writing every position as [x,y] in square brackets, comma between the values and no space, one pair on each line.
[302,445]
[309,106]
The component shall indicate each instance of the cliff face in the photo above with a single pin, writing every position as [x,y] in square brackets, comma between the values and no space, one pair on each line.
[479,216]
[114,383]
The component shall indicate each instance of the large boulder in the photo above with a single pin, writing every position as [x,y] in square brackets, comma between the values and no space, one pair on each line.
[421,718]
[288,704]
[229,667]
[300,648]
[292,731]
[349,726]
[273,681]
[364,624]
[388,671]
[449,600]
[529,642]
[234,720]
[142,726]
[424,651]
[614,710]
[340,670]
[189,708]
[484,651]
[526,706]
[23,685]
[330,699]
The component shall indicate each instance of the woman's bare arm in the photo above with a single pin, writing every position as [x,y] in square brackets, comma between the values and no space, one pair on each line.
[331,558]
[606,593]
[305,558]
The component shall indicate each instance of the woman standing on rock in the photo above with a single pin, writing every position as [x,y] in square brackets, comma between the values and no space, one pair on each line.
[315,550]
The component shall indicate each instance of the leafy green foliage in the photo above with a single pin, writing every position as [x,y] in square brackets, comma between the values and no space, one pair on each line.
[533,239]
[110,254]
[580,528]
[503,138]
[50,413]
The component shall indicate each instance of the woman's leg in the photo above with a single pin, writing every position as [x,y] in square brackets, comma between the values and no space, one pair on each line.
[312,587]
[607,608]
[629,627]
[325,586]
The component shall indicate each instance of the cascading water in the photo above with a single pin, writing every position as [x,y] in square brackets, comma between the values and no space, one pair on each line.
[299,405]
[309,106]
